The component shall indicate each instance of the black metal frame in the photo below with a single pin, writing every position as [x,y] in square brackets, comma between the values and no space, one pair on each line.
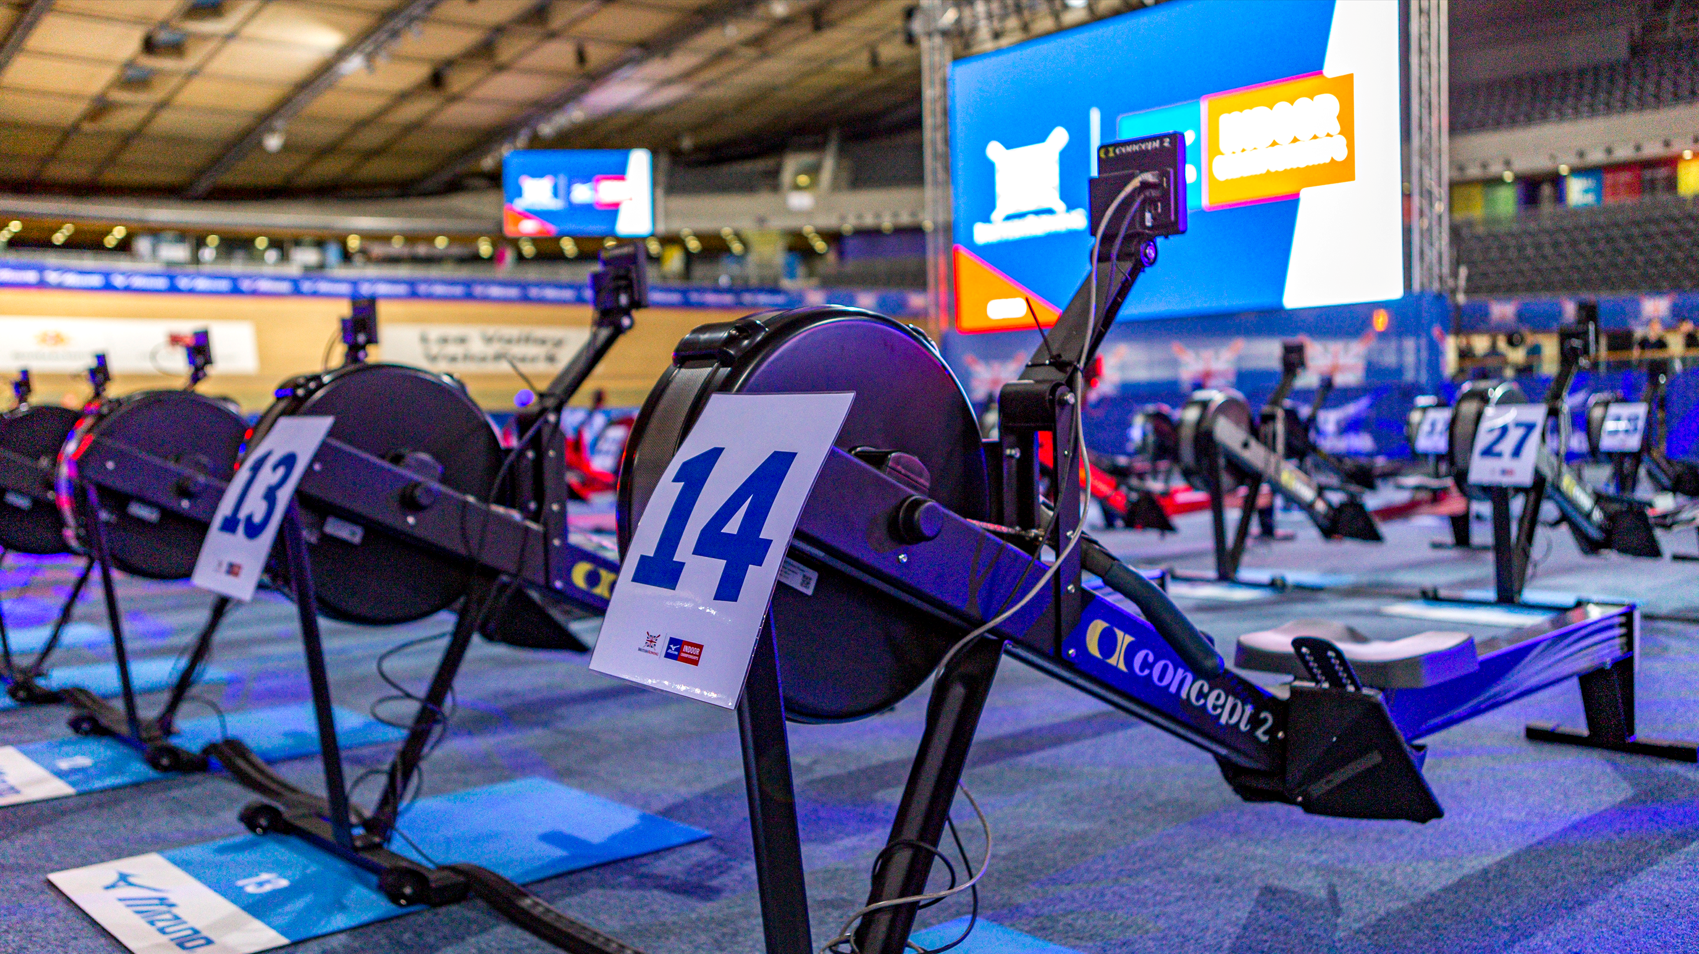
[510,554]
[1372,771]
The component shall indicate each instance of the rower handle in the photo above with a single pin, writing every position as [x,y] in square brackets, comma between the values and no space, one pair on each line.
[1194,649]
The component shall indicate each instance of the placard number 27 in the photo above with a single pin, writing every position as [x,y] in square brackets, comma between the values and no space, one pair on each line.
[739,549]
[249,526]
[1500,433]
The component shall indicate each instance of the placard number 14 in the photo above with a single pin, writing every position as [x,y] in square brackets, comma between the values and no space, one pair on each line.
[739,549]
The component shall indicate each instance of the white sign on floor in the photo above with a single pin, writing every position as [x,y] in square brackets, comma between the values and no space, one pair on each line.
[697,578]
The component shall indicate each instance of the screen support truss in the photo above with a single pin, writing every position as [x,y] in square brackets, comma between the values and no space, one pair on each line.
[931,25]
[1430,154]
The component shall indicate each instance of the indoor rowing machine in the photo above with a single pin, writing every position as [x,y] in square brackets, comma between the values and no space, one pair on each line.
[1597,520]
[1221,451]
[919,542]
[137,482]
[409,507]
[31,436]
[1284,426]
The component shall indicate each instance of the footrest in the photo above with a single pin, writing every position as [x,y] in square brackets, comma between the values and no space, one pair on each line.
[96,716]
[253,774]
[1424,659]
[534,915]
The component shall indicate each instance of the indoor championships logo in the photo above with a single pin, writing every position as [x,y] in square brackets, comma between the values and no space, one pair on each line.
[1271,141]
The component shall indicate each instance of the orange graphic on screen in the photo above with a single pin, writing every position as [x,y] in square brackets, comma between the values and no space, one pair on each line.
[1270,141]
[988,300]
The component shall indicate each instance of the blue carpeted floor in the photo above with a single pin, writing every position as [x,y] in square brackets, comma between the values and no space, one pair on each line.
[1110,836]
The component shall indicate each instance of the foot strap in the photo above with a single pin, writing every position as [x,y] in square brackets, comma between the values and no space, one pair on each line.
[1328,667]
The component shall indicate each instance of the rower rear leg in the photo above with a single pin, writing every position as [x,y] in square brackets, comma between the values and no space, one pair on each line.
[1607,696]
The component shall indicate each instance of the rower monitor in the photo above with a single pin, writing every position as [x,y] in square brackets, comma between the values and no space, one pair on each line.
[1288,114]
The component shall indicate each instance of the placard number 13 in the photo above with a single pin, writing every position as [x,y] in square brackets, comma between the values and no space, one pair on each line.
[739,549]
[250,527]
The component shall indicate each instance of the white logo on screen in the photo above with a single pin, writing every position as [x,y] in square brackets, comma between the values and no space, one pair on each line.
[1028,179]
[538,192]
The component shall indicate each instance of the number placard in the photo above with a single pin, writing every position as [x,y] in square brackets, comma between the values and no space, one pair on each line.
[238,542]
[1433,435]
[701,567]
[1624,428]
[1507,445]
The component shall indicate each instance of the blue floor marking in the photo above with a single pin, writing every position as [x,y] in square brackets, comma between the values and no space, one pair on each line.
[30,639]
[146,675]
[99,763]
[987,938]
[526,830]
[1556,599]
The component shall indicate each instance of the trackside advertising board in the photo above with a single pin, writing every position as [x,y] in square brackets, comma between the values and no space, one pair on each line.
[578,192]
[1290,111]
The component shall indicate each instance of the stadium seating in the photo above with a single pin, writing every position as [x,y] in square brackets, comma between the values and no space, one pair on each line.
[1629,247]
[1665,75]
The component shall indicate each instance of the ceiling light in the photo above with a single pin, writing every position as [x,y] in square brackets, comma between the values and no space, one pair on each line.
[847,229]
[67,228]
[211,241]
[396,241]
[110,241]
[353,242]
[120,231]
[58,238]
[1508,177]
[654,246]
[484,251]
[569,247]
[609,242]
[1563,169]
[441,241]
[261,243]
[888,228]
[15,226]
[683,233]
[527,248]
[272,141]
[1687,154]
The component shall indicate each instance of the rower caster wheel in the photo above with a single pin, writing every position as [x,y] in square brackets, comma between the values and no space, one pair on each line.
[84,724]
[404,886]
[170,758]
[261,818]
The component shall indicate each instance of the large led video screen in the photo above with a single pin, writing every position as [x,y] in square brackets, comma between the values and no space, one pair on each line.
[578,192]
[1290,111]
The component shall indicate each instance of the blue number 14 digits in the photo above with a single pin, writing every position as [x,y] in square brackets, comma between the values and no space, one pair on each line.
[739,549]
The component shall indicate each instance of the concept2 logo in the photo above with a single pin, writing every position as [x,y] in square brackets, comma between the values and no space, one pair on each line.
[1127,654]
[595,579]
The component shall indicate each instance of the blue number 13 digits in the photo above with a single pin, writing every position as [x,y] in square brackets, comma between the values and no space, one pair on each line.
[739,549]
[252,527]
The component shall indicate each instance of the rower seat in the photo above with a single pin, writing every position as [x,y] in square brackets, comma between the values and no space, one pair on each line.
[1424,659]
